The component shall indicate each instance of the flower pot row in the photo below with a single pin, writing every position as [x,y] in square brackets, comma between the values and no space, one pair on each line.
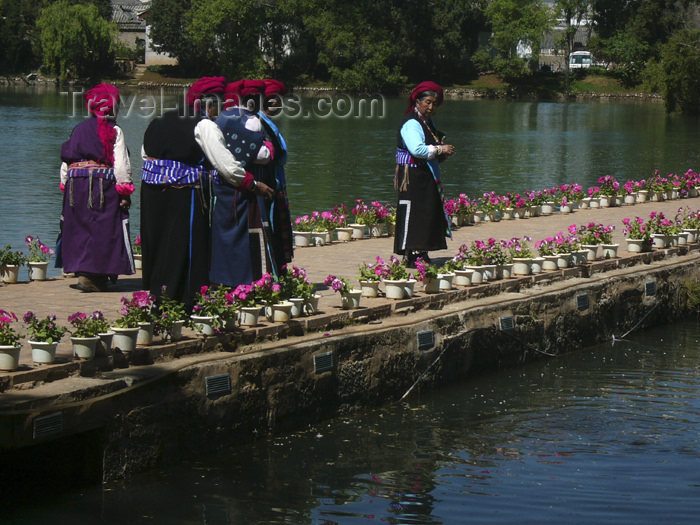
[9,273]
[352,232]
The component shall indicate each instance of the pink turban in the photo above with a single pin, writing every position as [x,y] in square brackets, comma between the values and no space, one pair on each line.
[204,86]
[422,87]
[101,102]
[274,87]
[102,99]
[232,94]
[253,87]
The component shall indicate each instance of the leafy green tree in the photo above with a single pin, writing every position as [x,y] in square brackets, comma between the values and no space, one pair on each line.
[357,43]
[573,13]
[19,50]
[630,33]
[225,35]
[455,37]
[680,64]
[76,41]
[514,23]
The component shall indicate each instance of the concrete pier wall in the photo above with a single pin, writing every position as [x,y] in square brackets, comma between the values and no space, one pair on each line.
[172,418]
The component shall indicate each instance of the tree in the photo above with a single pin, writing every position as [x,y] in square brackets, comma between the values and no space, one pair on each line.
[630,33]
[517,23]
[357,43]
[573,13]
[680,65]
[76,41]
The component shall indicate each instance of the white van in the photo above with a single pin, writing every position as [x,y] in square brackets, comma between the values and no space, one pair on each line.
[580,60]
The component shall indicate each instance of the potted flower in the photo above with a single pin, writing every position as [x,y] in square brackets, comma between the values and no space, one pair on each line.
[637,235]
[38,260]
[171,317]
[208,311]
[397,281]
[608,191]
[137,312]
[302,231]
[10,262]
[138,263]
[270,291]
[245,298]
[592,235]
[594,197]
[340,215]
[390,220]
[660,229]
[9,342]
[370,277]
[520,254]
[689,221]
[297,289]
[349,297]
[428,274]
[84,335]
[365,217]
[44,335]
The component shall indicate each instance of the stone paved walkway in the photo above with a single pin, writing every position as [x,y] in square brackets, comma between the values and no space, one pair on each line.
[54,296]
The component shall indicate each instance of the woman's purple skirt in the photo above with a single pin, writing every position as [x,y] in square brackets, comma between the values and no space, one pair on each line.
[95,235]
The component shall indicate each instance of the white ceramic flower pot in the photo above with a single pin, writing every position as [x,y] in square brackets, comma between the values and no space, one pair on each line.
[297,307]
[10,273]
[9,357]
[319,238]
[124,338]
[280,312]
[302,239]
[84,347]
[463,277]
[358,230]
[395,288]
[521,266]
[446,280]
[550,263]
[204,324]
[536,265]
[369,288]
[249,315]
[431,285]
[43,353]
[635,245]
[609,250]
[37,270]
[408,288]
[350,300]
[311,304]
[144,336]
[343,234]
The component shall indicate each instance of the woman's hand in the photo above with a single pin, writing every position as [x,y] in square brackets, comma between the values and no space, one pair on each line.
[125,202]
[447,150]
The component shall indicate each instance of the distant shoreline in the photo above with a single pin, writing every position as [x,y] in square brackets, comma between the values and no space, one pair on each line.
[450,92]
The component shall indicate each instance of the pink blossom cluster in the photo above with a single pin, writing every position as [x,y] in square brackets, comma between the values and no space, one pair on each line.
[38,251]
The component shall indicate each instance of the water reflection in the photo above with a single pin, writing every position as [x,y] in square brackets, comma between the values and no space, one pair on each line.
[605,434]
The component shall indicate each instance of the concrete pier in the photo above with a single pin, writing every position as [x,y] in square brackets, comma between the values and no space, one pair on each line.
[167,402]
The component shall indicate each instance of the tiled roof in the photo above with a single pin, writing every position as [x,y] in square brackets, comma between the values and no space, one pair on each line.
[126,14]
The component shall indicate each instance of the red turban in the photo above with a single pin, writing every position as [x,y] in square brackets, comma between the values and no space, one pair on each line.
[203,86]
[420,88]
[274,87]
[101,101]
[232,94]
[253,87]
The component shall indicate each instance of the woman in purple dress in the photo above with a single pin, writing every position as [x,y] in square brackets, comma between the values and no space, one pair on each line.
[97,186]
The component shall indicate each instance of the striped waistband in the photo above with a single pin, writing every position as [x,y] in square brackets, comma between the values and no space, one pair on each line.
[90,168]
[404,157]
[159,171]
